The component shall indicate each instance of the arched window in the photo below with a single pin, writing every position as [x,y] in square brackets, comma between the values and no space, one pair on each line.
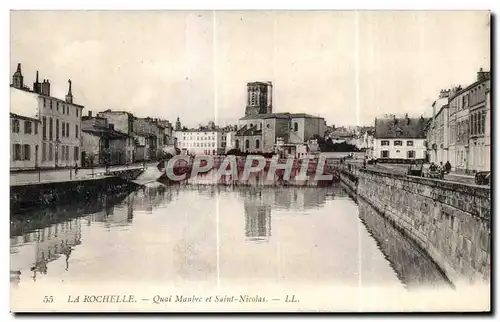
[237,143]
[247,144]
[257,144]
[296,126]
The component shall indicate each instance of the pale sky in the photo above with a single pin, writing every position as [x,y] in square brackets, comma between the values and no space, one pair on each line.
[195,65]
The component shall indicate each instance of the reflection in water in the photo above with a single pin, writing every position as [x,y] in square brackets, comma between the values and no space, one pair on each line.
[214,233]
[414,268]
[257,219]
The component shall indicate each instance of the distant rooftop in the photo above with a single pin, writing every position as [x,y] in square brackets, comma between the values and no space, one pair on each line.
[411,128]
[279,116]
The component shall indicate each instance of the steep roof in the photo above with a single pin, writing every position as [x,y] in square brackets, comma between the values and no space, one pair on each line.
[411,128]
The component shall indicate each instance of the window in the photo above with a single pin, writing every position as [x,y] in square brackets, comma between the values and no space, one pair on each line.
[76,110]
[384,142]
[44,151]
[411,154]
[36,128]
[247,144]
[15,126]
[67,130]
[409,143]
[50,129]
[76,131]
[57,106]
[76,154]
[27,152]
[237,143]
[398,142]
[257,143]
[17,152]
[385,154]
[67,153]
[50,151]
[44,127]
[57,129]
[295,126]
[64,109]
[50,104]
[27,127]
[63,125]
[44,103]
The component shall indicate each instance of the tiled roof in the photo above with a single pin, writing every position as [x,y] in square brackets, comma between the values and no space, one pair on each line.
[413,128]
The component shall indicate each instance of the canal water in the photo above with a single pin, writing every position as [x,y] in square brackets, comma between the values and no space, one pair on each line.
[216,236]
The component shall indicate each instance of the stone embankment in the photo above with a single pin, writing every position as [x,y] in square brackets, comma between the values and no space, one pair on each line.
[450,221]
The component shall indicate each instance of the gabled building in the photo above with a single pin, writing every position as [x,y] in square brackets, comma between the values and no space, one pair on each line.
[399,139]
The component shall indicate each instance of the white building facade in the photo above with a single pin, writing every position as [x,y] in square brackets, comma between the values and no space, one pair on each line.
[59,122]
[400,139]
[201,141]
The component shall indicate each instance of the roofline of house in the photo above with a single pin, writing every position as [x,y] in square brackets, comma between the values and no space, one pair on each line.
[468,88]
[28,118]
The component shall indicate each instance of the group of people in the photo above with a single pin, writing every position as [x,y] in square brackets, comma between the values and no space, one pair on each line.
[445,169]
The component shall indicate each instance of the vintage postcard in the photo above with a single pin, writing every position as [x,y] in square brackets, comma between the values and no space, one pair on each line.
[250,161]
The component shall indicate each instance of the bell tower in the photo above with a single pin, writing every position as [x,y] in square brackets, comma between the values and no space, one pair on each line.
[259,98]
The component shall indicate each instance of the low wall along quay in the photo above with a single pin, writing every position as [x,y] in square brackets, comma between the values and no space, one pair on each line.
[26,197]
[449,221]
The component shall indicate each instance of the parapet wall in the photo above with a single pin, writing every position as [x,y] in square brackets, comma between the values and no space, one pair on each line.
[450,221]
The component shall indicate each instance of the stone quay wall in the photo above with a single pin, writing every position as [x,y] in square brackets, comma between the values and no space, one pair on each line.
[44,195]
[450,221]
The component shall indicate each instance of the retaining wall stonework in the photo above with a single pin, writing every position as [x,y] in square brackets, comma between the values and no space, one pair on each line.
[450,221]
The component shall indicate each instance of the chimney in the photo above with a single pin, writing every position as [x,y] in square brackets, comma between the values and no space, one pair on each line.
[45,87]
[37,87]
[482,75]
[90,113]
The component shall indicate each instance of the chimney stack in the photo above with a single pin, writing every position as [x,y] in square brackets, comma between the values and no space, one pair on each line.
[45,90]
[37,87]
[482,75]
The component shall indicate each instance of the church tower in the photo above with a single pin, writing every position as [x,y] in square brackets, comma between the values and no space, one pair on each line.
[17,78]
[69,96]
[178,124]
[259,98]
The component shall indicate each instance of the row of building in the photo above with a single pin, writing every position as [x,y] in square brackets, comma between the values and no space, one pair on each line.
[460,128]
[458,132]
[48,132]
